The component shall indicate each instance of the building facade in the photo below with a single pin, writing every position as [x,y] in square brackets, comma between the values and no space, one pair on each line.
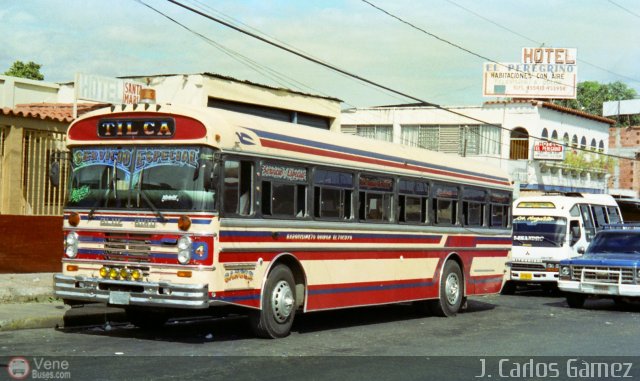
[507,134]
[624,142]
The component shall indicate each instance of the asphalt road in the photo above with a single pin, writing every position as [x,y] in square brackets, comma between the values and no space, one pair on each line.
[388,342]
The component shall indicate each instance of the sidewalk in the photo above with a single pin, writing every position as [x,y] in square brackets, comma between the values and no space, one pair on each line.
[26,301]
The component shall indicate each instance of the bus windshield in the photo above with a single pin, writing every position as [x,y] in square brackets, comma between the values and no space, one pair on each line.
[539,231]
[142,177]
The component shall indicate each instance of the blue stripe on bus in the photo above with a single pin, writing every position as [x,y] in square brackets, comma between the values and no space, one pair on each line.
[237,298]
[370,288]
[343,149]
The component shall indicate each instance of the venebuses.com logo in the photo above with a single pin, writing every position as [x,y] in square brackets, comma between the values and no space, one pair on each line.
[19,368]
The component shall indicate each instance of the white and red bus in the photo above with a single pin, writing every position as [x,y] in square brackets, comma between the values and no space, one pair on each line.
[174,208]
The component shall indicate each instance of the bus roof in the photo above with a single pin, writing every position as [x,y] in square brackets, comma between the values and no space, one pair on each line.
[242,134]
[545,203]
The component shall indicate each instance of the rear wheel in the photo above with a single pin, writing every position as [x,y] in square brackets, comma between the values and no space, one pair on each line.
[451,291]
[278,305]
[575,300]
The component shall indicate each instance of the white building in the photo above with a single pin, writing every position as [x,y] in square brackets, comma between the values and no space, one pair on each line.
[504,133]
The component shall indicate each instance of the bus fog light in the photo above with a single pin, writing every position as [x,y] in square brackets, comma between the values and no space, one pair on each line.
[104,272]
[136,274]
[125,273]
[114,273]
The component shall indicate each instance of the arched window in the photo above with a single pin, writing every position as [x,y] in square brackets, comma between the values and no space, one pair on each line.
[583,143]
[554,135]
[565,139]
[574,141]
[519,147]
[593,144]
[601,146]
[545,133]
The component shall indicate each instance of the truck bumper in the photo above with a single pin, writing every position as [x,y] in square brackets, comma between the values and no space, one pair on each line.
[604,289]
[131,293]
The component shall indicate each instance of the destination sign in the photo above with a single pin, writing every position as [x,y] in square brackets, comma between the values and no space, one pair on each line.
[137,128]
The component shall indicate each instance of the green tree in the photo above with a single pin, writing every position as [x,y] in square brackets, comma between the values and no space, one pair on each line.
[592,94]
[29,70]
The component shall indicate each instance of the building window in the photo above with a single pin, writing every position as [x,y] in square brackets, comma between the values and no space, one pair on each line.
[545,133]
[519,147]
[583,143]
[601,146]
[480,140]
[427,137]
[554,135]
[574,141]
[565,139]
[593,145]
[384,133]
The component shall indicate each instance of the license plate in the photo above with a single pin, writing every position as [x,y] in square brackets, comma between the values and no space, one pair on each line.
[119,297]
[526,276]
[600,288]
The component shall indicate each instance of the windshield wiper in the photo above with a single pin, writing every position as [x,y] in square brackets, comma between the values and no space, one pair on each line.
[104,197]
[152,206]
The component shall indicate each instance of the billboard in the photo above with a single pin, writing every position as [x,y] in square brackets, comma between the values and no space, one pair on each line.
[542,73]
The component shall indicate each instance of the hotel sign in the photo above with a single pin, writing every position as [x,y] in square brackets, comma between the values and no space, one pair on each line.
[545,150]
[542,73]
[106,89]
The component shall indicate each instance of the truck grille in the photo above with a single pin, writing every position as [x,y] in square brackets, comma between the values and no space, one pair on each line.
[603,274]
[132,246]
[524,266]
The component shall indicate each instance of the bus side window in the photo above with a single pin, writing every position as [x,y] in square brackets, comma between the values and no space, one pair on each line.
[473,206]
[574,232]
[376,198]
[332,196]
[600,216]
[238,187]
[587,221]
[613,215]
[412,200]
[445,204]
[284,191]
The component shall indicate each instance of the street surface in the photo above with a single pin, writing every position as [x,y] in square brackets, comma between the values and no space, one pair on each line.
[346,344]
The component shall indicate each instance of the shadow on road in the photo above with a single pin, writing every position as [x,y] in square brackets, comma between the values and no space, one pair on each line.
[236,327]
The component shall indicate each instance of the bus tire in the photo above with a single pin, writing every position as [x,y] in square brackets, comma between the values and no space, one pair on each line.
[275,318]
[146,319]
[575,300]
[451,291]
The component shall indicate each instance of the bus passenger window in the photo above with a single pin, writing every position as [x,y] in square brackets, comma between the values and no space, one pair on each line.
[445,204]
[613,215]
[411,201]
[600,215]
[376,196]
[284,191]
[587,221]
[473,206]
[332,194]
[500,216]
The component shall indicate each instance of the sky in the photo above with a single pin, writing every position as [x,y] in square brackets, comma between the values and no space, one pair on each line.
[126,38]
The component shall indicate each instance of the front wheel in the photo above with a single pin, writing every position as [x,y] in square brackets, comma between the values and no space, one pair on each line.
[275,318]
[451,291]
[575,300]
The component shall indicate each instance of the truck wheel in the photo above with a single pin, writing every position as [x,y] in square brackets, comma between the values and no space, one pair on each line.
[278,305]
[509,288]
[451,291]
[575,300]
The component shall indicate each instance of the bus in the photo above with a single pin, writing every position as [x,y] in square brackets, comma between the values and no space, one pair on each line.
[550,228]
[175,209]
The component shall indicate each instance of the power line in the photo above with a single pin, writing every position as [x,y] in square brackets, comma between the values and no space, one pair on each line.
[623,8]
[360,78]
[539,42]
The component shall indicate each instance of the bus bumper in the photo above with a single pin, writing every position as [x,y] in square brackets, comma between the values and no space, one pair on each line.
[131,293]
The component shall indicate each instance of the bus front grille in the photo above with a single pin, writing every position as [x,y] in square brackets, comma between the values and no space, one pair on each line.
[132,246]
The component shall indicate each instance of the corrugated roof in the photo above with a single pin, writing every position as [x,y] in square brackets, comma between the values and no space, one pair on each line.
[556,107]
[57,112]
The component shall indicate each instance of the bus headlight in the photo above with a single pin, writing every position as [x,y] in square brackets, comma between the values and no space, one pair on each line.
[71,243]
[184,249]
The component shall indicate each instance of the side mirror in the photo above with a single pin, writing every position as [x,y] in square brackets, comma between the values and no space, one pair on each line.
[54,173]
[581,250]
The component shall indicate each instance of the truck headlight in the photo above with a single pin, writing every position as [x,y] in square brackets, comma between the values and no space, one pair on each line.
[184,249]
[564,270]
[71,243]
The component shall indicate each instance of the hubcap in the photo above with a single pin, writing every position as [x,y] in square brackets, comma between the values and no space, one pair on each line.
[452,288]
[282,301]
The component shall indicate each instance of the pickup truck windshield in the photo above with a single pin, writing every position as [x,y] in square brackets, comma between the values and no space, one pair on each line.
[539,231]
[149,178]
[625,242]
